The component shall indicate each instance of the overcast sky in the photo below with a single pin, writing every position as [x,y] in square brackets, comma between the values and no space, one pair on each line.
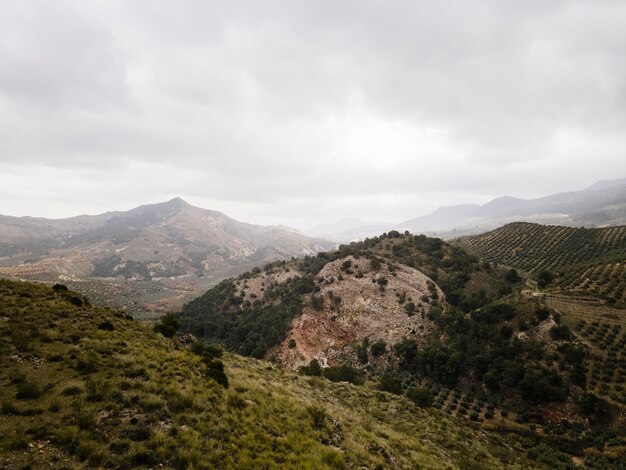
[302,112]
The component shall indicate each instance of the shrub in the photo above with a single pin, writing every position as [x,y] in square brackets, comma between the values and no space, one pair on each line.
[420,396]
[313,369]
[168,325]
[512,276]
[28,391]
[542,313]
[561,332]
[317,416]
[215,370]
[378,348]
[342,373]
[390,383]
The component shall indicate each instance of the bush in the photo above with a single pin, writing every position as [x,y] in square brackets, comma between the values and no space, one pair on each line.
[420,396]
[512,276]
[168,325]
[542,314]
[313,369]
[343,373]
[378,348]
[215,370]
[390,383]
[28,391]
[560,332]
[317,416]
[544,278]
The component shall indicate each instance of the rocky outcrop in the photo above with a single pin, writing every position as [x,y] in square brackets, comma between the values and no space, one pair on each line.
[360,299]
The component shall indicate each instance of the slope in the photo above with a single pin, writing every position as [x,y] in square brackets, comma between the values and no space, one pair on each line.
[587,261]
[84,387]
[172,250]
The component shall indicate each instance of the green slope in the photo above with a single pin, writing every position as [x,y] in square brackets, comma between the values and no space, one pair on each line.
[82,387]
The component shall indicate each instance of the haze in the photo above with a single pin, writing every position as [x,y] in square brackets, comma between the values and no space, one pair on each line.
[306,112]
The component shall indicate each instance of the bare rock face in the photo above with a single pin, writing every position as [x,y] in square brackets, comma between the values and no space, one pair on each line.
[360,299]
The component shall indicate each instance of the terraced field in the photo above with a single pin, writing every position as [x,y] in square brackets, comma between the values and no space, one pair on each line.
[587,262]
[603,330]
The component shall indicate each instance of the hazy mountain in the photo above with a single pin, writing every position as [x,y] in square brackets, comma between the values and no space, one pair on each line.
[602,204]
[343,225]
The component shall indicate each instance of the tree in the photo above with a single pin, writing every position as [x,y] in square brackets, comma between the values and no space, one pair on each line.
[378,348]
[560,332]
[420,396]
[544,278]
[390,383]
[492,380]
[168,325]
[512,276]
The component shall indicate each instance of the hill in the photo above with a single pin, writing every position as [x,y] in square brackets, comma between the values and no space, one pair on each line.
[84,387]
[150,258]
[581,261]
[412,313]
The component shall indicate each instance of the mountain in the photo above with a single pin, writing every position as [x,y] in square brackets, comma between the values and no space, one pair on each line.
[602,204]
[419,317]
[348,229]
[173,244]
[83,387]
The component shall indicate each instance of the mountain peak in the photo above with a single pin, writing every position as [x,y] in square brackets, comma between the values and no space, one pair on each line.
[178,202]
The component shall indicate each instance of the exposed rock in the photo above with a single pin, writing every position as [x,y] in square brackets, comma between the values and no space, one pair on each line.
[360,302]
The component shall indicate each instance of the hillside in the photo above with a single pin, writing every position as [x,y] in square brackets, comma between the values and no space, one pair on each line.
[150,258]
[84,387]
[583,261]
[416,316]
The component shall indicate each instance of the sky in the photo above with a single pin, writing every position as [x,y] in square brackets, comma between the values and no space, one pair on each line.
[305,112]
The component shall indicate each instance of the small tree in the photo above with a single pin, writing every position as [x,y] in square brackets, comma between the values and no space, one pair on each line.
[512,276]
[420,396]
[168,325]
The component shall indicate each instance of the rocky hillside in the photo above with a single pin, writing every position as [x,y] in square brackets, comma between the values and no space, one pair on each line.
[326,303]
[82,387]
[404,312]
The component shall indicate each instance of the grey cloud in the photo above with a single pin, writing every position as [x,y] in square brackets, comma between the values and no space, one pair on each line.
[264,100]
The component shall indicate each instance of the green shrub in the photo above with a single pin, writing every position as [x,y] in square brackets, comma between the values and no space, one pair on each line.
[390,383]
[420,396]
[168,325]
[317,416]
[28,391]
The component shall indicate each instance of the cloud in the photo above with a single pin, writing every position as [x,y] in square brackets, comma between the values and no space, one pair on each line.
[307,111]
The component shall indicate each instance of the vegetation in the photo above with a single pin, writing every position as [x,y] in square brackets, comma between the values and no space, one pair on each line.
[253,326]
[587,261]
[74,395]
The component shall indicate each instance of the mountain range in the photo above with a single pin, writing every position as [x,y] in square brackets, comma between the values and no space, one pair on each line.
[601,205]
[168,243]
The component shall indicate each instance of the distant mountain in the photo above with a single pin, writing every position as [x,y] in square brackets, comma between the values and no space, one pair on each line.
[601,205]
[343,225]
[348,229]
[166,241]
